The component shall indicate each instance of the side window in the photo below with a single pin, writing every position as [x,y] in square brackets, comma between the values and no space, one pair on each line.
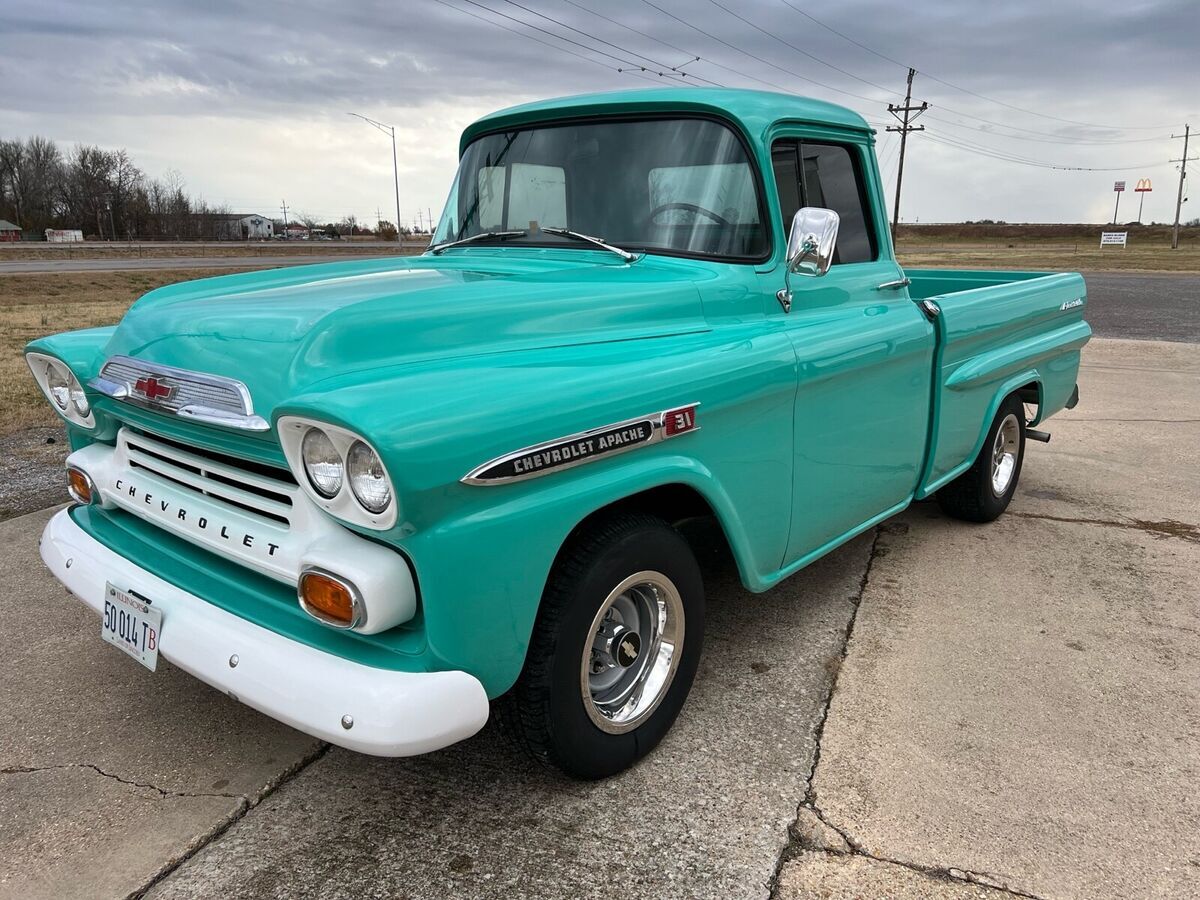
[831,178]
[785,160]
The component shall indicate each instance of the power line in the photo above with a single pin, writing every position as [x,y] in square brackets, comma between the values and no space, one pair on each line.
[595,62]
[1044,140]
[704,59]
[601,40]
[753,56]
[799,50]
[964,90]
[1041,164]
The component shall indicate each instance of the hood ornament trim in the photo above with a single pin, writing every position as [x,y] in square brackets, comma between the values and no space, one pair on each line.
[211,399]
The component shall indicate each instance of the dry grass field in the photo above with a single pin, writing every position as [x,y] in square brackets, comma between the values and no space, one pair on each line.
[36,305]
[1068,248]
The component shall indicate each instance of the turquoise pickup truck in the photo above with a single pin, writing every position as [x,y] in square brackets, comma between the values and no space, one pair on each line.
[378,499]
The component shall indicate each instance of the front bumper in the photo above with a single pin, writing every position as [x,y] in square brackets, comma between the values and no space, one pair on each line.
[393,713]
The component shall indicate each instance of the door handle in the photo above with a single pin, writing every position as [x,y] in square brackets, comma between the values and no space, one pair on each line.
[894,285]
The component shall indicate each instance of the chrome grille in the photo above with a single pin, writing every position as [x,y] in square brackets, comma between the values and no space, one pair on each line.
[219,478]
[212,392]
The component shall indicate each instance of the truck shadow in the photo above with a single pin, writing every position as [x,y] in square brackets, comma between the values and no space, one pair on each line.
[708,809]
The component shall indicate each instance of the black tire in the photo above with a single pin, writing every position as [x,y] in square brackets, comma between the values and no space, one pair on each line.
[971,496]
[546,711]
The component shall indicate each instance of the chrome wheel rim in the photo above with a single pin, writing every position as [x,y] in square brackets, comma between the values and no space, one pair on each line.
[1004,454]
[632,651]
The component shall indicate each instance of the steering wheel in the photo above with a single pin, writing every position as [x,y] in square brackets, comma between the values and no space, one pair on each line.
[690,207]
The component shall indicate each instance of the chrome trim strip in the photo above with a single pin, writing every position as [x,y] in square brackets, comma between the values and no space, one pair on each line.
[211,416]
[108,388]
[656,421]
[187,380]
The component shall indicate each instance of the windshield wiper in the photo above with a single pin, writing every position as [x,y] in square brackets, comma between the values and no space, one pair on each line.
[438,248]
[599,242]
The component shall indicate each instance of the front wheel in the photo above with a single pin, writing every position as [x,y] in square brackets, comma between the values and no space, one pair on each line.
[983,492]
[614,650]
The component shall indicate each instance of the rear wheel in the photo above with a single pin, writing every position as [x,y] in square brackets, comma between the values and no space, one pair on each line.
[614,650]
[984,491]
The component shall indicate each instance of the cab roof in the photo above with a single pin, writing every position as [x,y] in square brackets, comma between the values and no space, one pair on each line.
[754,111]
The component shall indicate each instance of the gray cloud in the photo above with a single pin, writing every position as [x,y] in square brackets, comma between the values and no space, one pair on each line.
[136,74]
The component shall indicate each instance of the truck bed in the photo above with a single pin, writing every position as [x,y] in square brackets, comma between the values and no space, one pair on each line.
[997,332]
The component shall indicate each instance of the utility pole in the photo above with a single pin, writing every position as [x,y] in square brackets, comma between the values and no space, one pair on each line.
[388,130]
[1183,161]
[910,113]
[284,208]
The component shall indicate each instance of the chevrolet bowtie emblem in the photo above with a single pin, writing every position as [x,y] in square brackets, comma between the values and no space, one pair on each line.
[153,389]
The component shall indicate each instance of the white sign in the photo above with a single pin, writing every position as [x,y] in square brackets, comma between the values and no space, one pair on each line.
[63,235]
[1118,186]
[1113,237]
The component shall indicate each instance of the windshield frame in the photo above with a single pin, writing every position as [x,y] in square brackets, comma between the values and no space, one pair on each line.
[765,217]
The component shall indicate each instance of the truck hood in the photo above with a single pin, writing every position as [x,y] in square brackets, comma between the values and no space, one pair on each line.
[283,330]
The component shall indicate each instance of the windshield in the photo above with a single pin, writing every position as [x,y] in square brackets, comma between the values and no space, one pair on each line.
[663,185]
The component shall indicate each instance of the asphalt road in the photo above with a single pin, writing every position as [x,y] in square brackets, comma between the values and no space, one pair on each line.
[1162,307]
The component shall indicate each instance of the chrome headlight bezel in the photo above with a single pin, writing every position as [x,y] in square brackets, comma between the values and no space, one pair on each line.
[344,504]
[77,409]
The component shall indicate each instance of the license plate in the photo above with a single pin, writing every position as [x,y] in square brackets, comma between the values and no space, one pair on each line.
[131,625]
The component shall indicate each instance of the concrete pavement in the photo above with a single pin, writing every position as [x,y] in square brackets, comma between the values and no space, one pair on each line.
[1015,709]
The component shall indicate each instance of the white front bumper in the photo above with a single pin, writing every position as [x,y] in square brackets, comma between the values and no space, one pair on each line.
[393,713]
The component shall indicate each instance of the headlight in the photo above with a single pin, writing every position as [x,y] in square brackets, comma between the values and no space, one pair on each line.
[58,381]
[322,463]
[62,388]
[79,399]
[367,478]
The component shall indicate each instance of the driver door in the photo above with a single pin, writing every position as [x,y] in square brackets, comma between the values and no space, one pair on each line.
[864,354]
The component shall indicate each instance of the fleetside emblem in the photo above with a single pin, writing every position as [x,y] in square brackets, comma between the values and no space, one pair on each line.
[576,449]
[153,389]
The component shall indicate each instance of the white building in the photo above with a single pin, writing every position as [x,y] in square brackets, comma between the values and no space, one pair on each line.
[245,228]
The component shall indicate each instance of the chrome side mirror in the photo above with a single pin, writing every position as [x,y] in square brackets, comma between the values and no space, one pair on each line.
[810,247]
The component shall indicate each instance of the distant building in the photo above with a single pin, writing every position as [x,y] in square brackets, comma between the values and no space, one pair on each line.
[244,228]
[9,232]
[297,230]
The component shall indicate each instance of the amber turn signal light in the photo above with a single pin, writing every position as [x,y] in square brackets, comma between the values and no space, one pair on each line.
[329,599]
[79,486]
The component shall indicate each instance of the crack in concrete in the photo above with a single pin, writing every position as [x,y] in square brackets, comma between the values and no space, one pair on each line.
[162,792]
[1163,528]
[945,873]
[797,841]
[221,827]
[791,846]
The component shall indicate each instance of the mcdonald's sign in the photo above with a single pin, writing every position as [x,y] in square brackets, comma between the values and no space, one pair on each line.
[1143,186]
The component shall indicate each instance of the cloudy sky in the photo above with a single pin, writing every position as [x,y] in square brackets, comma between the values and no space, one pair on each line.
[249,101]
